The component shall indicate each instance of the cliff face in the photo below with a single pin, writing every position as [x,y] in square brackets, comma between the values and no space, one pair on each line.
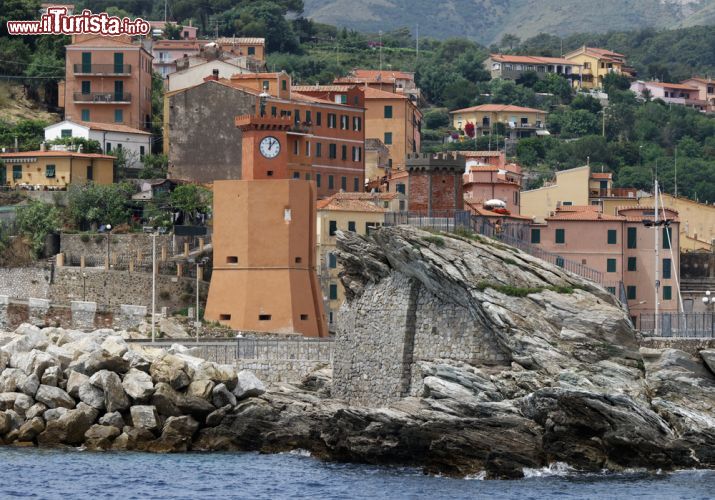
[527,361]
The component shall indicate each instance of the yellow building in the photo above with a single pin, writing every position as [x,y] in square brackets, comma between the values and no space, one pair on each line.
[55,169]
[357,212]
[396,121]
[570,187]
[516,120]
[697,221]
[596,64]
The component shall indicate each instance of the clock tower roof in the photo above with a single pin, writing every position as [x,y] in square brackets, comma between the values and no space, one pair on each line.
[253,122]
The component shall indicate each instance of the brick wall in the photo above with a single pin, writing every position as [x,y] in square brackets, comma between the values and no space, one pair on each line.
[120,244]
[443,193]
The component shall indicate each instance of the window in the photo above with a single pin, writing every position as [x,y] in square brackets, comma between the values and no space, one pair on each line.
[308,117]
[330,317]
[567,203]
[344,122]
[331,184]
[85,115]
[318,118]
[304,317]
[118,116]
[667,293]
[611,290]
[612,237]
[388,138]
[66,132]
[667,237]
[332,261]
[17,172]
[667,269]
[632,237]
[388,112]
[296,175]
[307,177]
[632,264]
[296,117]
[307,148]
[224,317]
[109,147]
[118,90]
[400,188]
[357,153]
[284,84]
[266,84]
[332,227]
[90,172]
[295,147]
[264,317]
[317,180]
[332,151]
[344,183]
[298,260]
[318,149]
[611,265]
[333,292]
[141,151]
[561,236]
[86,62]
[251,51]
[274,111]
[232,259]
[119,62]
[343,99]
[536,236]
[344,152]
[351,226]
[357,123]
[49,171]
[331,120]
[86,87]
[356,184]
[631,292]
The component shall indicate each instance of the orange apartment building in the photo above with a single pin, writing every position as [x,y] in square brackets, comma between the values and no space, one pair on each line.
[483,183]
[324,143]
[244,47]
[107,80]
[619,246]
[706,91]
[399,82]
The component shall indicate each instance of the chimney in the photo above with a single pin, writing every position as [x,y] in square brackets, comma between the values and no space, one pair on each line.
[213,76]
[43,146]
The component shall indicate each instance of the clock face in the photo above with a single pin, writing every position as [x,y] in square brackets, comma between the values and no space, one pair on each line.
[270,147]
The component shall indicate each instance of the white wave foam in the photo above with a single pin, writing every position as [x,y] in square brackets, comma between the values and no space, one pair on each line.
[554,469]
[300,452]
[479,476]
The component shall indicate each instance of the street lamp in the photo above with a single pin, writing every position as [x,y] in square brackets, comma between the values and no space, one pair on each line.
[108,229]
[199,264]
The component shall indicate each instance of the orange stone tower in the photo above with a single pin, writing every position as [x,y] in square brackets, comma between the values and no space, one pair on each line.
[264,277]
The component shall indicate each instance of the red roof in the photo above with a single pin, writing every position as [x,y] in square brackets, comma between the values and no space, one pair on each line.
[351,202]
[321,88]
[179,44]
[371,93]
[374,76]
[114,127]
[530,59]
[671,85]
[495,108]
[601,175]
[585,215]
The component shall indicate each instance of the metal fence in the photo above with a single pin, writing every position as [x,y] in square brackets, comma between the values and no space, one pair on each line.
[691,325]
[438,220]
[256,349]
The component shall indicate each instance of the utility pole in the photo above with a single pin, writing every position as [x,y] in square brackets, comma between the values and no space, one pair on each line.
[676,171]
[656,228]
[153,286]
[166,2]
[380,50]
[417,44]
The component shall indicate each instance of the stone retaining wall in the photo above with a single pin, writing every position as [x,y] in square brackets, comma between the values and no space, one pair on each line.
[120,244]
[690,345]
[25,282]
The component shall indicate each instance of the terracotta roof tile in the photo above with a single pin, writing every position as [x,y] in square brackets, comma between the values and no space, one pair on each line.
[241,41]
[114,127]
[351,202]
[601,175]
[499,107]
[530,59]
[321,88]
[665,85]
[371,93]
[50,154]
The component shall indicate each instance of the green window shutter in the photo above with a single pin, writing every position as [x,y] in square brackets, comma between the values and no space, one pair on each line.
[667,269]
[86,62]
[631,292]
[85,115]
[333,292]
[118,62]
[667,237]
[388,111]
[611,289]
[611,265]
[344,183]
[86,87]
[536,236]
[632,264]
[388,138]
[667,293]
[561,236]
[118,116]
[632,237]
[49,171]
[333,226]
[351,226]
[612,237]
[317,180]
[331,183]
[17,171]
[332,261]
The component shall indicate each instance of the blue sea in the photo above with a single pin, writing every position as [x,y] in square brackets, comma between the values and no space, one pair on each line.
[36,473]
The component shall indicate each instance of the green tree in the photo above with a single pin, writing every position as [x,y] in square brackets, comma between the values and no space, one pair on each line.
[36,221]
[509,41]
[87,145]
[155,167]
[191,200]
[578,123]
[584,101]
[436,118]
[173,31]
[97,204]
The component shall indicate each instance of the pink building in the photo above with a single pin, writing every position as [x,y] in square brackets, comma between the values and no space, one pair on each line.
[485,182]
[672,93]
[187,32]
[621,247]
[706,90]
[494,158]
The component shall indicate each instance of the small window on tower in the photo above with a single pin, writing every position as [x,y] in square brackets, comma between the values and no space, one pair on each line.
[264,317]
[232,259]
[224,317]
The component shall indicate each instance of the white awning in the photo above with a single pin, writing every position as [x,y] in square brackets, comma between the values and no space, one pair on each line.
[542,132]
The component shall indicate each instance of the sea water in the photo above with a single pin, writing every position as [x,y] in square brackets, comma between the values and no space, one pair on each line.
[75,474]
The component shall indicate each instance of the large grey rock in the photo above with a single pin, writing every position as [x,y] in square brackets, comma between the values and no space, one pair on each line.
[200,388]
[100,437]
[91,395]
[195,406]
[171,370]
[91,412]
[11,379]
[62,355]
[114,419]
[54,413]
[52,376]
[144,416]
[5,423]
[54,397]
[67,429]
[221,396]
[29,385]
[708,356]
[33,362]
[7,400]
[248,385]
[95,361]
[215,418]
[133,438]
[27,337]
[36,410]
[137,360]
[23,403]
[115,346]
[74,382]
[31,429]
[138,385]
[4,360]
[166,400]
[114,396]
[183,426]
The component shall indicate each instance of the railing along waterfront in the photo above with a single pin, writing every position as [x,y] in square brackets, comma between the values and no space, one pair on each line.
[678,325]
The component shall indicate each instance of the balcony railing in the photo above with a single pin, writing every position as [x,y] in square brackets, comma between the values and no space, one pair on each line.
[103,97]
[103,69]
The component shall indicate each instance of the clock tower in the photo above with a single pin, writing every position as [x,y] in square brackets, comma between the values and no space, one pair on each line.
[264,147]
[264,275]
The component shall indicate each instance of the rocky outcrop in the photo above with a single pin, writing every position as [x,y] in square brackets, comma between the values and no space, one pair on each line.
[456,354]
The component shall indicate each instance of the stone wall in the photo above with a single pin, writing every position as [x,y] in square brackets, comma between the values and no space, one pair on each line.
[114,288]
[25,282]
[120,244]
[690,345]
[276,371]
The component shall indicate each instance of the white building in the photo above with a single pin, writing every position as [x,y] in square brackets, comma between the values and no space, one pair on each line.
[111,137]
[195,74]
[671,93]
